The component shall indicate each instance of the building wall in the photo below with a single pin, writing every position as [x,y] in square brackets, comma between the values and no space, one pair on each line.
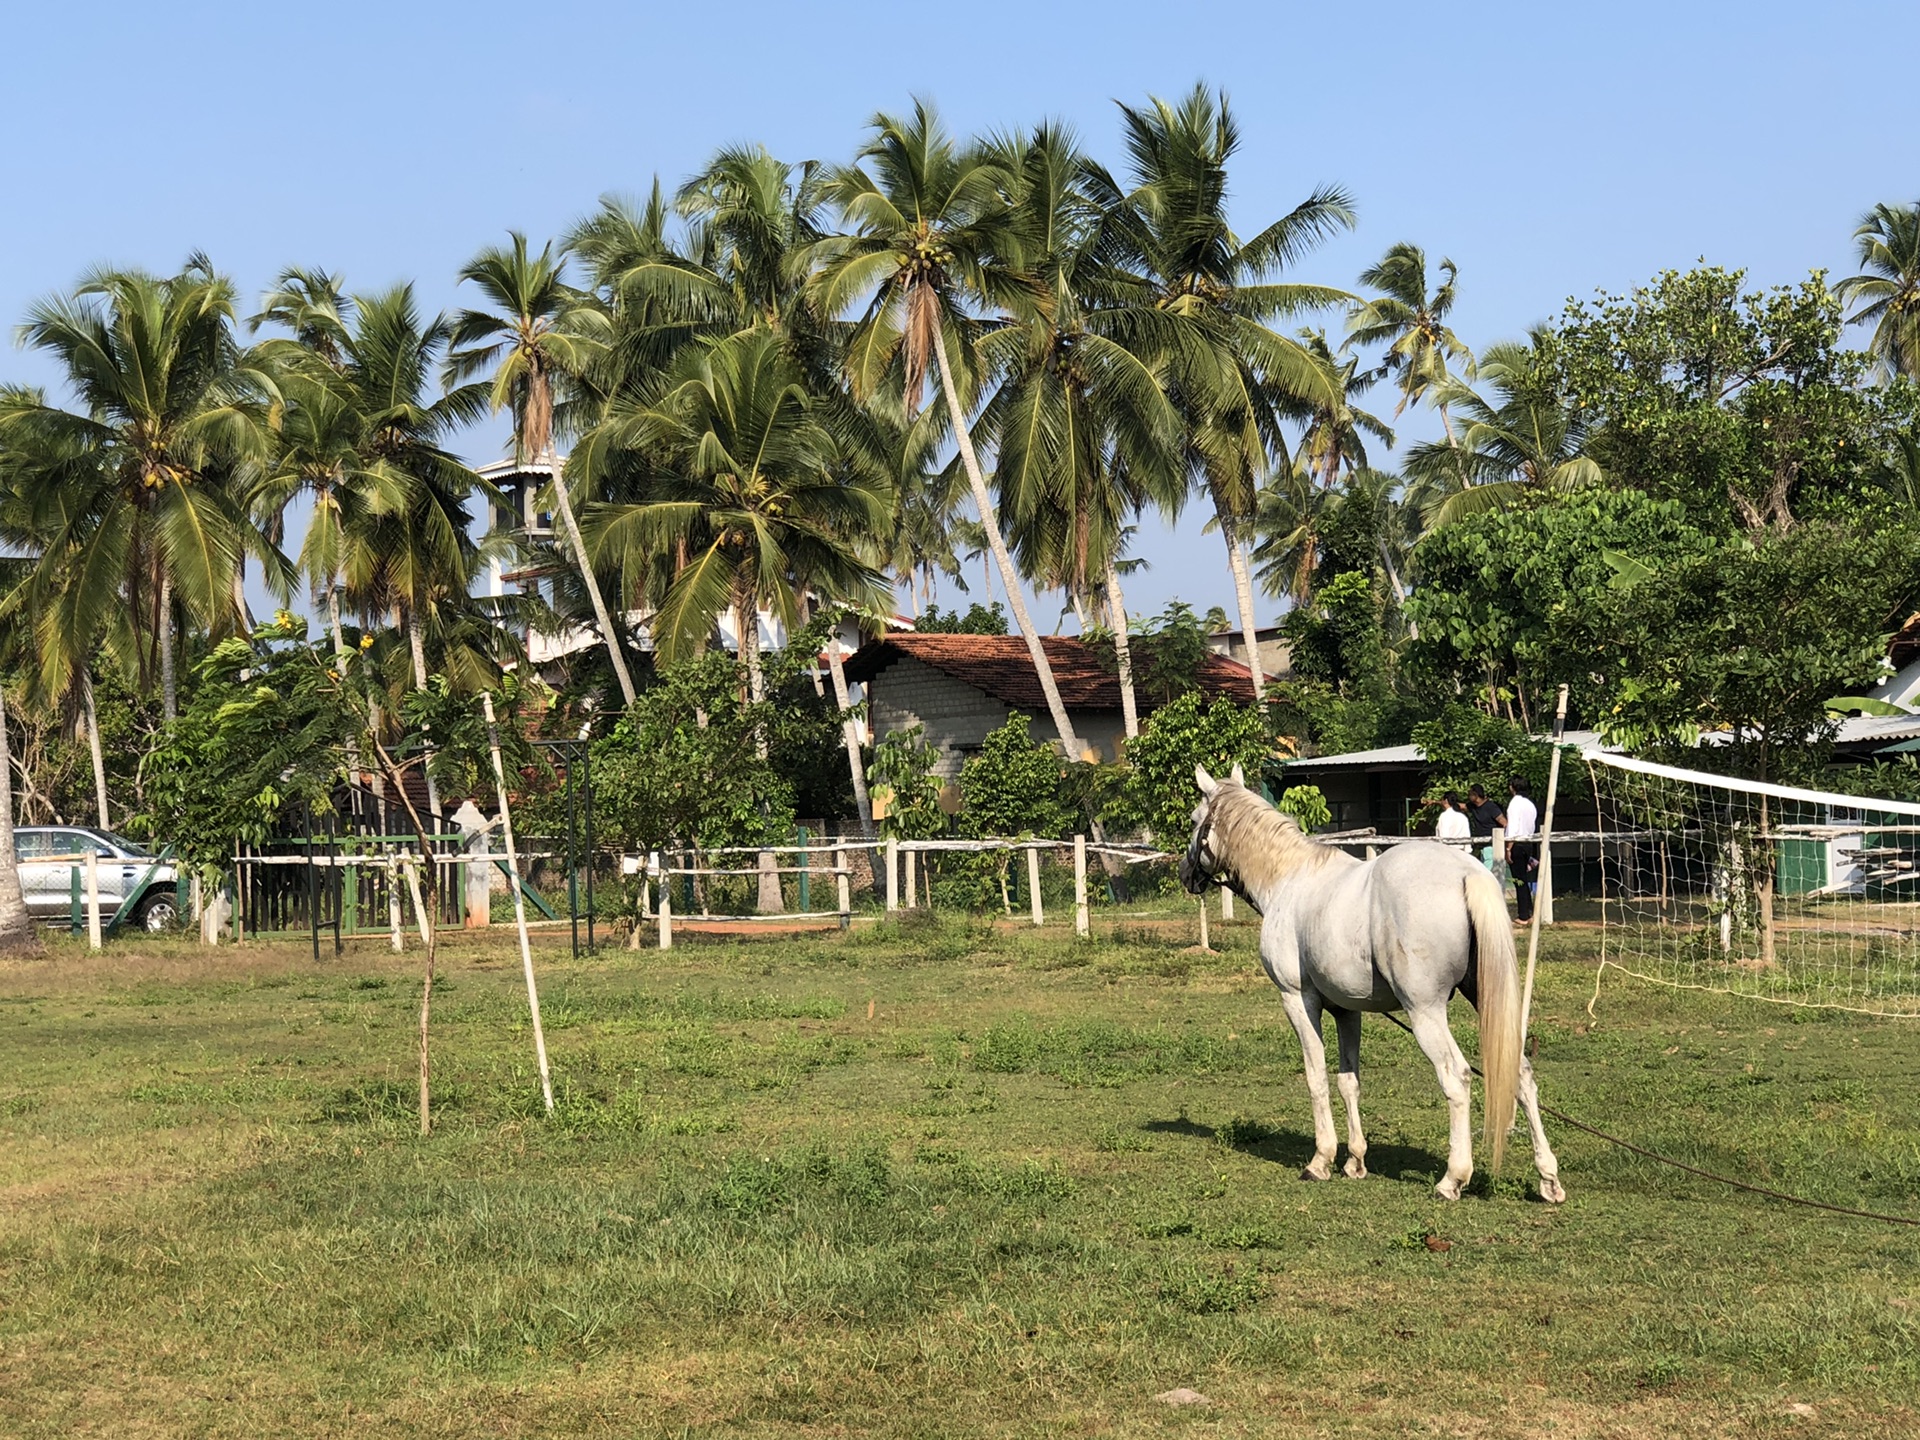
[958,718]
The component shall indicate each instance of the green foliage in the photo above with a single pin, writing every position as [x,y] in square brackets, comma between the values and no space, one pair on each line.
[979,620]
[1308,805]
[1166,650]
[1501,591]
[265,734]
[1190,731]
[683,765]
[1464,746]
[1342,697]
[903,782]
[1741,405]
[1012,787]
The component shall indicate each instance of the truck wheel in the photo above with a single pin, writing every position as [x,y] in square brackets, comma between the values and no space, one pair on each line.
[157,913]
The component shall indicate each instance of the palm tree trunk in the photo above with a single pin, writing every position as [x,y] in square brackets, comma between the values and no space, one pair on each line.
[746,629]
[990,523]
[1242,567]
[850,736]
[1122,652]
[169,684]
[93,746]
[1399,590]
[417,643]
[600,612]
[16,926]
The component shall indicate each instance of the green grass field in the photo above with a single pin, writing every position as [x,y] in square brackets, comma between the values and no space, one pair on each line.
[929,1180]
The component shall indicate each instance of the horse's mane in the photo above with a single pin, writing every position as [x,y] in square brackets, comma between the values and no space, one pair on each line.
[1260,844]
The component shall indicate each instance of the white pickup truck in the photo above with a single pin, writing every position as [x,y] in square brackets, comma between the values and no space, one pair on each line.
[49,854]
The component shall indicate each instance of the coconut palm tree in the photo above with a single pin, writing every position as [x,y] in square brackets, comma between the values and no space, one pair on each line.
[16,925]
[1233,373]
[1333,439]
[922,215]
[1083,434]
[1531,437]
[540,333]
[1413,326]
[132,502]
[1888,238]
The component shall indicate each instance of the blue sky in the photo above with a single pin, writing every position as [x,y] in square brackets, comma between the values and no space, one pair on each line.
[1547,149]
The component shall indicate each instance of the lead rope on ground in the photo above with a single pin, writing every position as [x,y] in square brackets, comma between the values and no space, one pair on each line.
[1641,1150]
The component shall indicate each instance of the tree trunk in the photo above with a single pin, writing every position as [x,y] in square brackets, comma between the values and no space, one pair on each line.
[592,581]
[746,631]
[1122,652]
[417,643]
[93,746]
[1399,590]
[16,926]
[990,523]
[1242,569]
[850,737]
[169,685]
[340,656]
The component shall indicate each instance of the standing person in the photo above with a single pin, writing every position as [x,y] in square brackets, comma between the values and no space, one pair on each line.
[1484,816]
[1453,823]
[1523,853]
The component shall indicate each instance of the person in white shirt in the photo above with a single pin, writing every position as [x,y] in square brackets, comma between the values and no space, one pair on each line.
[1453,823]
[1523,853]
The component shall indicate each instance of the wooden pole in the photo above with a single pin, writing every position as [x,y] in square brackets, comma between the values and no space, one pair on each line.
[893,875]
[913,888]
[1033,885]
[844,887]
[1546,859]
[1203,922]
[93,896]
[393,903]
[1080,926]
[666,911]
[519,902]
[1226,905]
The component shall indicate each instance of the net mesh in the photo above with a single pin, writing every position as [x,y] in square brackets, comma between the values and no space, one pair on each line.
[1764,891]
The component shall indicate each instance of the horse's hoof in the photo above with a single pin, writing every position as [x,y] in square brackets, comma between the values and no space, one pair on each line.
[1448,1189]
[1355,1168]
[1318,1170]
[1551,1190]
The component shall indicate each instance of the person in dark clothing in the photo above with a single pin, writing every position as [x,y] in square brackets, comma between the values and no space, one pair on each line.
[1484,816]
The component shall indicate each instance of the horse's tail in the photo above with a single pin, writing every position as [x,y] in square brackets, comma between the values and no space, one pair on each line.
[1499,1006]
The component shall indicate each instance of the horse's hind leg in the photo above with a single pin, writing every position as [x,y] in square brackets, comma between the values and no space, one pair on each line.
[1304,1012]
[1543,1157]
[1347,1024]
[1430,1029]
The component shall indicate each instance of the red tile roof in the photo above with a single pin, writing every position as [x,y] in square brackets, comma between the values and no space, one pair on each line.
[1001,666]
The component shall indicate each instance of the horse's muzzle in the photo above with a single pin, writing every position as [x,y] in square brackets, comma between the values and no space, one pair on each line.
[1192,877]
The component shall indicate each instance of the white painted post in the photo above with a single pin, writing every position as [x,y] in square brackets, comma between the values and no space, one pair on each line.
[893,875]
[1080,925]
[913,889]
[666,911]
[845,886]
[1033,884]
[393,902]
[93,897]
[419,906]
[1226,904]
[519,902]
[1203,922]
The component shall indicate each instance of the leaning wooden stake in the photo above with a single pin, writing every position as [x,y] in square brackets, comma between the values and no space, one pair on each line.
[1546,859]
[519,902]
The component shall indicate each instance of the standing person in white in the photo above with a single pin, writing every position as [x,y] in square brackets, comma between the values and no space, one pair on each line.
[1523,851]
[1453,823]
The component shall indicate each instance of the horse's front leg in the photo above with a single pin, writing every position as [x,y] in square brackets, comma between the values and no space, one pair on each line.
[1304,1011]
[1346,1024]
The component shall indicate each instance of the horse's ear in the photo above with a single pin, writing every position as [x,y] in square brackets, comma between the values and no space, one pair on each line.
[1205,781]
[1239,776]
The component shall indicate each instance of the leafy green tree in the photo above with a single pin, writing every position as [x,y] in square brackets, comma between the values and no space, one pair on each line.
[902,771]
[1498,591]
[1342,694]
[978,620]
[1307,804]
[1168,650]
[1192,730]
[1012,787]
[1740,404]
[1888,287]
[1464,746]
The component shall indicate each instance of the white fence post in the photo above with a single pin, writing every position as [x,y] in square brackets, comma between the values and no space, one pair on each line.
[844,885]
[1080,885]
[93,896]
[666,910]
[893,875]
[913,889]
[1226,904]
[1033,884]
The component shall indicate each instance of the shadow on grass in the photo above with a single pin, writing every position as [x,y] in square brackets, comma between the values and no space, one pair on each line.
[1294,1148]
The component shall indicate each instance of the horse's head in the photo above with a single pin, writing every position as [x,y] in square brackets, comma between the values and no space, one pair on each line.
[1202,863]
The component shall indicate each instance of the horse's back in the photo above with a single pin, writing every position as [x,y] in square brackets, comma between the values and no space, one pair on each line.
[1421,928]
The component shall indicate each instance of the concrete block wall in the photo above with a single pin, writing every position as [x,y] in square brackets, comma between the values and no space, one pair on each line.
[957,717]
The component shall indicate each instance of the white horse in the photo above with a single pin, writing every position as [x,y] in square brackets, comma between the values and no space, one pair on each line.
[1402,931]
